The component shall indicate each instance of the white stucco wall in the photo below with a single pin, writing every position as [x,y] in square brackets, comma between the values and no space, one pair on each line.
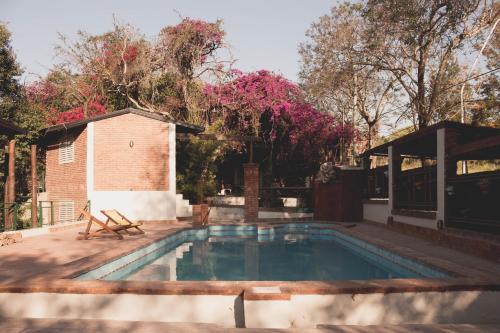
[417,221]
[226,213]
[165,308]
[376,212]
[238,213]
[284,215]
[135,205]
[472,307]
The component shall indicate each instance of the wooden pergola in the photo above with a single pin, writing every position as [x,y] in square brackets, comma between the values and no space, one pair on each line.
[436,191]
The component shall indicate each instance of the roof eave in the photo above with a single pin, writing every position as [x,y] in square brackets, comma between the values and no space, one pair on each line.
[187,127]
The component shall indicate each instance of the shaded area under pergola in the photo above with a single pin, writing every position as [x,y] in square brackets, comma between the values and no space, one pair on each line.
[466,200]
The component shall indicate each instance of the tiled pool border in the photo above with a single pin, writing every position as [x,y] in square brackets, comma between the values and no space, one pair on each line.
[60,281]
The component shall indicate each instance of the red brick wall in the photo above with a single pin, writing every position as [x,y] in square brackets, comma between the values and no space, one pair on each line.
[142,167]
[251,172]
[67,182]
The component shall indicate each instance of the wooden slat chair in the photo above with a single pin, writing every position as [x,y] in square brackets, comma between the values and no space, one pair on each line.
[119,219]
[104,230]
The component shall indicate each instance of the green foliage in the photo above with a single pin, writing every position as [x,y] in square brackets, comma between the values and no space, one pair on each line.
[196,168]
[15,108]
[10,89]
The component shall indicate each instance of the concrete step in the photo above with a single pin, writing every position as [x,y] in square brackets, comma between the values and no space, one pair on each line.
[98,326]
[183,208]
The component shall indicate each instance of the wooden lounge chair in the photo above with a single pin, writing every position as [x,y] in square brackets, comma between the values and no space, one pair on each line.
[104,228]
[119,219]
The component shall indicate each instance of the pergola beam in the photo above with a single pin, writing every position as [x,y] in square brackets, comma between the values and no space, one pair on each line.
[475,146]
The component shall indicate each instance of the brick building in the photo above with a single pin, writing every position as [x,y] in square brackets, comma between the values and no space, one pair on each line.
[122,160]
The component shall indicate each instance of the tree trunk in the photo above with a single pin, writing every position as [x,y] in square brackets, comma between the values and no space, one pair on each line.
[421,114]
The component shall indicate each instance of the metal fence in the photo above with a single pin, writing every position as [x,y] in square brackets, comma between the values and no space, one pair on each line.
[17,216]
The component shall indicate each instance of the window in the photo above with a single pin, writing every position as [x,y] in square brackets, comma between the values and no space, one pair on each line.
[67,151]
[66,211]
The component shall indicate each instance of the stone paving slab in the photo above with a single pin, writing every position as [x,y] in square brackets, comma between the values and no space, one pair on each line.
[100,326]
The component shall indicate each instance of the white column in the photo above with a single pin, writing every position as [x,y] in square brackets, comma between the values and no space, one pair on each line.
[441,162]
[391,179]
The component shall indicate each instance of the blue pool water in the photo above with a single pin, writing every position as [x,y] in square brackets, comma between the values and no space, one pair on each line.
[292,252]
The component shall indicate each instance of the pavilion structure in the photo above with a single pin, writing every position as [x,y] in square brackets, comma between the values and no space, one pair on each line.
[424,182]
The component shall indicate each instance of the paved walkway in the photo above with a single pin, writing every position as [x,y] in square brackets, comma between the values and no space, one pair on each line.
[101,326]
[427,251]
[43,255]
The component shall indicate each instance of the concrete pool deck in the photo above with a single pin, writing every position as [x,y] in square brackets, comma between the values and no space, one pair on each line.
[40,269]
[99,326]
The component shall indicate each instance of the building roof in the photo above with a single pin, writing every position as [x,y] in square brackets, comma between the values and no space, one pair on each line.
[182,127]
[9,128]
[422,143]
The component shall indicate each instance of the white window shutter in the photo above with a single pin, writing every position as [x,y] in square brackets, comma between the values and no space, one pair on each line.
[67,151]
[66,211]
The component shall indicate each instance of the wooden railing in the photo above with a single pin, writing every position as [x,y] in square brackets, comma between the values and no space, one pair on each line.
[473,201]
[416,189]
[377,185]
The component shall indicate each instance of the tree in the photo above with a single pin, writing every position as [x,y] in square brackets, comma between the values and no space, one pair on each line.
[121,68]
[115,67]
[10,89]
[487,108]
[268,106]
[416,41]
[193,46]
[335,76]
[14,107]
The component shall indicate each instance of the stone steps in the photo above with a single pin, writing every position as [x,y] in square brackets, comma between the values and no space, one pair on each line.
[182,207]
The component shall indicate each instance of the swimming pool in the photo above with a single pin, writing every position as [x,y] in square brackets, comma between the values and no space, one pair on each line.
[286,252]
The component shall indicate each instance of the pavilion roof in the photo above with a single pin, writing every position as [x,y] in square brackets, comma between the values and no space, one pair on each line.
[423,143]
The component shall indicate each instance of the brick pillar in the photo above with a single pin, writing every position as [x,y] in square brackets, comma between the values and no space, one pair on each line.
[251,171]
[200,215]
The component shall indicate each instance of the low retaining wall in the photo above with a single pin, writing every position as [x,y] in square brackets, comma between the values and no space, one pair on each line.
[473,307]
[454,307]
[224,200]
[376,210]
[24,233]
[217,309]
[226,213]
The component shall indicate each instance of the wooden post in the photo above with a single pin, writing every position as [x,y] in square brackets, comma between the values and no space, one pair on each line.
[34,189]
[10,185]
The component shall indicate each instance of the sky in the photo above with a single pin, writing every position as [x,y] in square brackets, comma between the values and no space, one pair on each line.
[263,34]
